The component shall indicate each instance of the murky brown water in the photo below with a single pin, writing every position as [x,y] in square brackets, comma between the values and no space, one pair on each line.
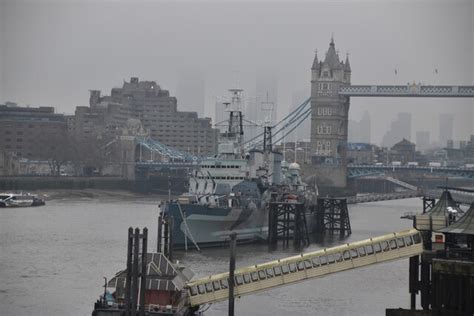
[53,258]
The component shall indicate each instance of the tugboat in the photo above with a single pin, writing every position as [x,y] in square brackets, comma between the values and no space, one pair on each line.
[232,190]
[20,200]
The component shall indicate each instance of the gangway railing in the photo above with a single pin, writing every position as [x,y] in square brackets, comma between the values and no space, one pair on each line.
[294,269]
[402,183]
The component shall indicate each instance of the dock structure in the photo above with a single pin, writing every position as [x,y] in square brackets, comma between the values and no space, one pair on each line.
[287,221]
[453,285]
[332,216]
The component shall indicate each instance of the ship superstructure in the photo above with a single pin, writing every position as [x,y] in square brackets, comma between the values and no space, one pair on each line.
[230,192]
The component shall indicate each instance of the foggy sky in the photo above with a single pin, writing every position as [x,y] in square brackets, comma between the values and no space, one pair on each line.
[53,52]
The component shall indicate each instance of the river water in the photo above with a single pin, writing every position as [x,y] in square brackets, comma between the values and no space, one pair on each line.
[53,259]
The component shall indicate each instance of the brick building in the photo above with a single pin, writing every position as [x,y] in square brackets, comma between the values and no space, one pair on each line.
[154,107]
[403,151]
[360,153]
[31,132]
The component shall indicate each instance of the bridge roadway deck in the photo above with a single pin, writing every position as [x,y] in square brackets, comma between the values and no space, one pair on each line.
[294,269]
[411,90]
[355,171]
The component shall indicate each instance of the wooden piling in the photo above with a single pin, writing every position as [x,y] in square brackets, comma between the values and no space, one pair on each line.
[129,272]
[160,233]
[165,237]
[233,242]
[143,271]
[413,280]
[136,241]
[171,239]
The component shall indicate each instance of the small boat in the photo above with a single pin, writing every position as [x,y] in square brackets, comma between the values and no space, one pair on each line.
[20,200]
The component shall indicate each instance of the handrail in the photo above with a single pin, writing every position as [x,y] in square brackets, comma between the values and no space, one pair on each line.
[305,266]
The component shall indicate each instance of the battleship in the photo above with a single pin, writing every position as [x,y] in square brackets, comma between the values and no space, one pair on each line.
[231,191]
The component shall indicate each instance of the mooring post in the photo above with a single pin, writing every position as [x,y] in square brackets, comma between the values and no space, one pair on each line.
[160,233]
[413,280]
[297,228]
[166,235]
[270,225]
[171,240]
[425,283]
[143,271]
[233,242]
[136,241]
[128,280]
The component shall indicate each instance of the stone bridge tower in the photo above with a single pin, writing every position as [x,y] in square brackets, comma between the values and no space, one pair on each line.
[329,121]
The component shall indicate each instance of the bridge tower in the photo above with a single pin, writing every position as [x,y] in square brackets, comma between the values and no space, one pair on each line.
[329,121]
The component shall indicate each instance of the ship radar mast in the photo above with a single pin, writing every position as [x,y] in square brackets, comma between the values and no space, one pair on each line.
[267,106]
[231,140]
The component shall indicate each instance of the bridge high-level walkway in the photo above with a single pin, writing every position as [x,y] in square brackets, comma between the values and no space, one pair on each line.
[268,275]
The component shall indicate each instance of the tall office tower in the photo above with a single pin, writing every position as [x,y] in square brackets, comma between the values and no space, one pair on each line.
[329,120]
[266,106]
[446,121]
[404,128]
[422,140]
[365,128]
[359,131]
[450,144]
[190,91]
[399,129]
[297,98]
[353,131]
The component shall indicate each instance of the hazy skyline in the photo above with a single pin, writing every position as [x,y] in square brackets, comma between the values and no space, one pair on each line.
[53,52]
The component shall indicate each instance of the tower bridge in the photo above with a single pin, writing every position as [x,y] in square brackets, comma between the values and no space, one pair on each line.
[331,90]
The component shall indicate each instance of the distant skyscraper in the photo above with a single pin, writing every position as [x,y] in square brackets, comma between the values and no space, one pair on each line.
[359,131]
[353,131]
[399,129]
[445,128]
[297,98]
[267,95]
[422,140]
[365,128]
[190,91]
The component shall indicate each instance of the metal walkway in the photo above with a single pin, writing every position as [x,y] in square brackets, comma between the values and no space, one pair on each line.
[306,266]
[376,197]
[402,184]
[411,90]
[355,171]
